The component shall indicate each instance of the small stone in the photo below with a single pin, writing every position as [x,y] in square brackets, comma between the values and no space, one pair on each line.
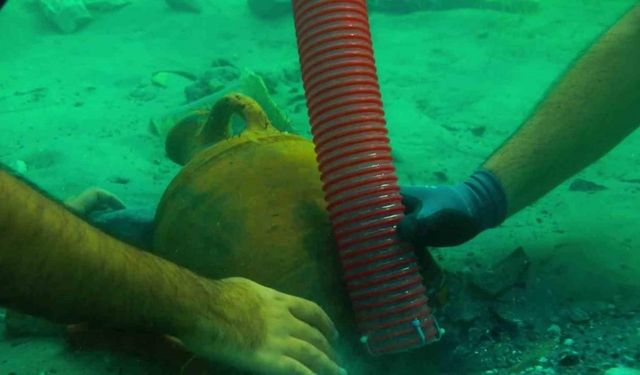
[477,334]
[586,186]
[628,359]
[465,310]
[292,75]
[20,167]
[119,180]
[222,73]
[105,5]
[578,315]
[196,90]
[168,78]
[205,86]
[221,61]
[478,131]
[441,176]
[554,329]
[615,354]
[397,6]
[570,358]
[503,275]
[67,15]
[143,93]
[185,5]
[509,314]
[269,9]
[568,342]
[622,371]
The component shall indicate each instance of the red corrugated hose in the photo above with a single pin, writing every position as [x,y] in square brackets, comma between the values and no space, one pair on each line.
[359,180]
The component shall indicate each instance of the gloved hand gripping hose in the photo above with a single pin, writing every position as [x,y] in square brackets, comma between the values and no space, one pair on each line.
[359,180]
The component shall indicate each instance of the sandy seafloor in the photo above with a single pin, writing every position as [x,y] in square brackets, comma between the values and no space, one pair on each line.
[442,74]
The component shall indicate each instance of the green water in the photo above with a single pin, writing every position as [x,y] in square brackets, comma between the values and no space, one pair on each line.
[75,112]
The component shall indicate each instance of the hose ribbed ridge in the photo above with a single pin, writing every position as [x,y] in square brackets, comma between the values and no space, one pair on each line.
[359,180]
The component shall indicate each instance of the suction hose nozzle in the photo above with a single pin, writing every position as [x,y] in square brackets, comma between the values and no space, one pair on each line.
[359,180]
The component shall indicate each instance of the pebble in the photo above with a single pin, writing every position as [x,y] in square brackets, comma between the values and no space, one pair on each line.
[554,329]
[539,370]
[67,15]
[578,315]
[185,5]
[622,371]
[105,5]
[465,311]
[568,342]
[226,73]
[570,358]
[119,180]
[20,167]
[503,275]
[583,185]
[628,359]
[143,93]
[197,90]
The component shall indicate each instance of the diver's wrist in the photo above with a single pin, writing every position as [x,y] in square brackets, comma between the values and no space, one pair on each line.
[488,197]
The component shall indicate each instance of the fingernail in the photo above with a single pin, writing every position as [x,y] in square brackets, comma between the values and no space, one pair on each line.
[343,371]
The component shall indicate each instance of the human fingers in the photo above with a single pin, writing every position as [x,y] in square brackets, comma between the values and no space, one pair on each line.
[312,358]
[410,199]
[312,314]
[288,366]
[312,335]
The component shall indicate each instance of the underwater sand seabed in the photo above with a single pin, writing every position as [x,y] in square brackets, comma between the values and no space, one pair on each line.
[75,112]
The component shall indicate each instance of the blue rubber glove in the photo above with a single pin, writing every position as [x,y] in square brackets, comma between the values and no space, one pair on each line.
[449,215]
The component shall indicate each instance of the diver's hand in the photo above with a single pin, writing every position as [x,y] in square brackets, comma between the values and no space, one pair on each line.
[265,331]
[453,214]
[94,199]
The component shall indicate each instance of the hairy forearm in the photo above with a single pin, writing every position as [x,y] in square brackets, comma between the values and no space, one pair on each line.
[591,109]
[55,265]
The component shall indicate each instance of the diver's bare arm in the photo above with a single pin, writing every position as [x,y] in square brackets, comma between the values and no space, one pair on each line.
[593,107]
[55,265]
